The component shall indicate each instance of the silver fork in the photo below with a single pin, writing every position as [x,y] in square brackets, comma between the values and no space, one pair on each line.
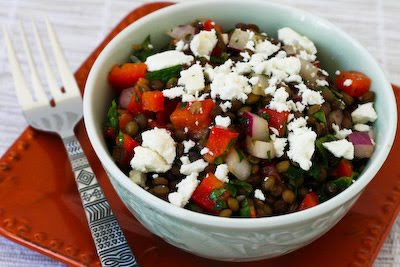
[111,245]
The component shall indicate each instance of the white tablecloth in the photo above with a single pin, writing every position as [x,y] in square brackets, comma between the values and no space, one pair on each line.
[82,25]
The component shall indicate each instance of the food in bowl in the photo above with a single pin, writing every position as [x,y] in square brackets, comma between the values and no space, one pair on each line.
[237,123]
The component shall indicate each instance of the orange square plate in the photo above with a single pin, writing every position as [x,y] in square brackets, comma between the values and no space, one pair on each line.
[40,207]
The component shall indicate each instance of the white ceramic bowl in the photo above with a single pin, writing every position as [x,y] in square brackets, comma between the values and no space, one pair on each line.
[236,239]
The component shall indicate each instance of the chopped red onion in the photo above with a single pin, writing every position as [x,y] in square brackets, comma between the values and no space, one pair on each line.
[181,32]
[363,147]
[360,138]
[257,127]
[125,97]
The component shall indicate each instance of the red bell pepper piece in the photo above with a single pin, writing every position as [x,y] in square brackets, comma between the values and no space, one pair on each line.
[153,101]
[344,169]
[219,141]
[310,200]
[128,144]
[276,119]
[135,105]
[126,75]
[123,120]
[209,24]
[360,83]
[200,196]
[193,115]
[252,211]
[162,117]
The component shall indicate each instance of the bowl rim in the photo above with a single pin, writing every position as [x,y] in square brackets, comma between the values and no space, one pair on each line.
[211,220]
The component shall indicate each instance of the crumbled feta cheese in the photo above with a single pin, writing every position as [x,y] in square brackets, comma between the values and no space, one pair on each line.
[209,72]
[279,145]
[292,105]
[274,130]
[154,176]
[324,72]
[186,188]
[147,160]
[225,68]
[281,95]
[188,98]
[195,166]
[282,67]
[258,63]
[230,86]
[250,45]
[294,78]
[188,145]
[254,80]
[176,199]
[138,177]
[251,34]
[270,90]
[322,82]
[186,130]
[281,54]
[184,159]
[306,56]
[160,141]
[167,59]
[221,172]
[222,121]
[340,148]
[302,146]
[290,117]
[173,92]
[290,37]
[242,67]
[225,106]
[278,102]
[204,150]
[297,123]
[202,97]
[347,82]
[300,107]
[225,38]
[245,55]
[181,45]
[192,78]
[203,43]
[362,127]
[364,113]
[340,134]
[259,194]
[308,96]
[337,72]
[266,47]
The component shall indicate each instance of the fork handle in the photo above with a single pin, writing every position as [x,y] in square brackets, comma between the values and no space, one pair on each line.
[111,245]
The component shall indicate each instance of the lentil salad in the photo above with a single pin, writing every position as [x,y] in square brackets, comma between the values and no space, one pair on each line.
[237,123]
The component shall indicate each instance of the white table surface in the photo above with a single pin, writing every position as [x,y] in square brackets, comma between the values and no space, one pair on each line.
[82,25]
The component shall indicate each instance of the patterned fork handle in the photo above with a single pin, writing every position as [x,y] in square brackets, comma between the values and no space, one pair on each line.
[109,239]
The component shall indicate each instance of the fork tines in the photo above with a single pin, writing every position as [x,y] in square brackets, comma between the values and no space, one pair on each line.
[24,96]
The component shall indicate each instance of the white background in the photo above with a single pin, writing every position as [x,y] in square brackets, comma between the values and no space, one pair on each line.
[82,24]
